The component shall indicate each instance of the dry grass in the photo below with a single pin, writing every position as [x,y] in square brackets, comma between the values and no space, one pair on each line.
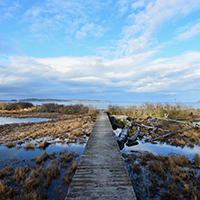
[10,144]
[33,181]
[6,171]
[30,146]
[164,177]
[74,166]
[196,161]
[41,158]
[43,144]
[158,168]
[20,173]
[55,128]
[33,195]
[67,178]
[6,191]
[51,172]
[66,157]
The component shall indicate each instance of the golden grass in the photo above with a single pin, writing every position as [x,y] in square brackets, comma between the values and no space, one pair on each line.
[6,171]
[10,144]
[55,128]
[20,173]
[158,168]
[6,191]
[51,172]
[196,161]
[30,145]
[74,166]
[43,144]
[66,177]
[33,181]
[41,158]
[168,177]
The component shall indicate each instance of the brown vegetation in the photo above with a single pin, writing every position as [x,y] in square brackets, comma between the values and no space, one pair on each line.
[51,172]
[74,166]
[20,173]
[163,177]
[15,106]
[30,145]
[65,129]
[10,144]
[41,158]
[36,178]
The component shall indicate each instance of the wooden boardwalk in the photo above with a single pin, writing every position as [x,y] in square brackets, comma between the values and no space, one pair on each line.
[101,173]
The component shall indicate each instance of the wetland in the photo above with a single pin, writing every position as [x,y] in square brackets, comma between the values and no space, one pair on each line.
[40,147]
[164,163]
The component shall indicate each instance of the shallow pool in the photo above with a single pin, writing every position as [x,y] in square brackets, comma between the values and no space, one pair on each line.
[10,120]
[21,153]
[164,149]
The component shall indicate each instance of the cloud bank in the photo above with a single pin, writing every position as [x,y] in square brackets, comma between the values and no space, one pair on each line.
[110,48]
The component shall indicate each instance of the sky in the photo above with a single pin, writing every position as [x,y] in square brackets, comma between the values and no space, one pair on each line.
[113,50]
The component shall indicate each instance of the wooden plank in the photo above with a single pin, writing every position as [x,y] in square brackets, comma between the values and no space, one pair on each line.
[101,173]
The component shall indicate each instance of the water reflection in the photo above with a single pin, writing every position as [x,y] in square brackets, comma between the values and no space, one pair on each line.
[164,149]
[21,153]
[10,120]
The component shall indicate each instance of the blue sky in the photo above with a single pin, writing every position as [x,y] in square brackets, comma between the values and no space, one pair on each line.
[116,50]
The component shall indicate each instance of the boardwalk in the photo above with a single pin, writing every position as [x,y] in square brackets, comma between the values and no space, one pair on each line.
[101,173]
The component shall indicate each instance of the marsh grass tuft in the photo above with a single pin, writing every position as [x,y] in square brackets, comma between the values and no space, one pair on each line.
[10,144]
[158,168]
[67,178]
[6,171]
[51,172]
[41,158]
[74,166]
[196,161]
[6,190]
[30,146]
[33,181]
[20,173]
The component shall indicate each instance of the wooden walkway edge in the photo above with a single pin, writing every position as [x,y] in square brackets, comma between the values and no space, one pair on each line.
[101,173]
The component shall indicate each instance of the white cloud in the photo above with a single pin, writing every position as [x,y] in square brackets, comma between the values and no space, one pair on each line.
[138,4]
[91,30]
[9,9]
[167,75]
[146,23]
[193,31]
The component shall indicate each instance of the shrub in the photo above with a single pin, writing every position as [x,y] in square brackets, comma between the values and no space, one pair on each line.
[151,109]
[69,109]
[15,106]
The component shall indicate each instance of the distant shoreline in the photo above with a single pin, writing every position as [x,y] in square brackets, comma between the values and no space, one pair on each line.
[60,100]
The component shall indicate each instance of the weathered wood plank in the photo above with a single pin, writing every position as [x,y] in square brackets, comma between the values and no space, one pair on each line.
[101,173]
